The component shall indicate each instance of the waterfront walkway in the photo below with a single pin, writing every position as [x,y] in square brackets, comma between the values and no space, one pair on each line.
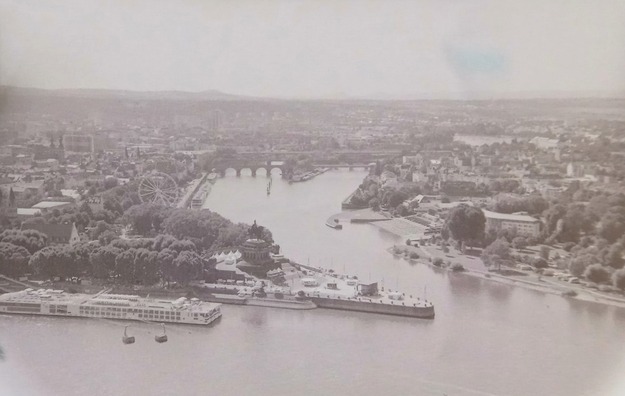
[190,191]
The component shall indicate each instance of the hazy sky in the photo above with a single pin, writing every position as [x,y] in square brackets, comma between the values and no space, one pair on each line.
[316,48]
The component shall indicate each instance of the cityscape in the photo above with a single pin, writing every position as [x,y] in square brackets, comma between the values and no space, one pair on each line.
[424,244]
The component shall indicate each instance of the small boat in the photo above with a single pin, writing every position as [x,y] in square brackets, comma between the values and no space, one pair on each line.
[126,339]
[163,337]
[336,225]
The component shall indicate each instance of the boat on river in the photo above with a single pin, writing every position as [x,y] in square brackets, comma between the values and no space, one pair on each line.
[126,339]
[109,306]
[160,338]
[335,224]
[335,291]
[382,304]
[212,177]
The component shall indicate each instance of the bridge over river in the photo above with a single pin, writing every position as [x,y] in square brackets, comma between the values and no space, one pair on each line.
[269,166]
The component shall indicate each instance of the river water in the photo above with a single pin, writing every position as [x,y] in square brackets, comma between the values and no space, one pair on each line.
[486,339]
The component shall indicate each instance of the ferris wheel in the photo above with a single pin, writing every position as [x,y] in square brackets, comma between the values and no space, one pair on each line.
[158,188]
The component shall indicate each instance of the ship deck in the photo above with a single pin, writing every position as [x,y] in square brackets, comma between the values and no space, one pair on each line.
[59,297]
[347,291]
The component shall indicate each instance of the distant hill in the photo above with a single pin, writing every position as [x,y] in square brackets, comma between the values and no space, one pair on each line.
[7,91]
[111,107]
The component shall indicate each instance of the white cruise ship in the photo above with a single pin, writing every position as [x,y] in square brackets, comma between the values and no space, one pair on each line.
[111,306]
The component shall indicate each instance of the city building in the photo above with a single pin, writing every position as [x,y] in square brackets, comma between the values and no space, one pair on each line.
[79,143]
[62,234]
[26,213]
[50,205]
[524,224]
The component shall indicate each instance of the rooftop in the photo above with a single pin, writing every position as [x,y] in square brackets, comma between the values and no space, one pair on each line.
[510,217]
[63,230]
[50,204]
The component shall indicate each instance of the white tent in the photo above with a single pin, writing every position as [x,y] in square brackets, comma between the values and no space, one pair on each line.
[230,259]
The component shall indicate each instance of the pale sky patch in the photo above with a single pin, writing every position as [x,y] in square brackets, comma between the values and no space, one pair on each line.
[333,48]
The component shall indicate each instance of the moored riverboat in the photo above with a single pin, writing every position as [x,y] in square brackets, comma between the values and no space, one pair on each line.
[376,304]
[109,306]
[336,291]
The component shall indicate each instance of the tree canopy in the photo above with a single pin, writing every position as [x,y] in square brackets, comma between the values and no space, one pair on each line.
[466,223]
[13,259]
[597,273]
[31,240]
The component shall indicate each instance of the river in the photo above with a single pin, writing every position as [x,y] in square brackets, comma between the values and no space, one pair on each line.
[487,338]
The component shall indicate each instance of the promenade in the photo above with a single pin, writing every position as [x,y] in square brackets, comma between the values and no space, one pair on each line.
[190,191]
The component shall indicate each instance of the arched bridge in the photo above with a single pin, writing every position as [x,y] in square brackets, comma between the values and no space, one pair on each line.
[238,166]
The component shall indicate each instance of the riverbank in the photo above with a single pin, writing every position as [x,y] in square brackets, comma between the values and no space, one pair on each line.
[190,191]
[531,282]
[398,226]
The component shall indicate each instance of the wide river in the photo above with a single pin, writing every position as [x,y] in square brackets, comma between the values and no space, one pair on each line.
[486,339]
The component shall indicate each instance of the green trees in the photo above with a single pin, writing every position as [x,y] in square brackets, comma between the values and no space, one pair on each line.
[374,203]
[497,253]
[614,256]
[618,279]
[395,198]
[519,242]
[612,225]
[533,204]
[146,266]
[207,230]
[597,273]
[187,266]
[165,259]
[466,223]
[552,216]
[231,236]
[544,252]
[13,259]
[31,240]
[578,264]
[540,263]
[573,222]
[124,265]
[200,228]
[102,261]
[146,217]
[402,210]
[53,261]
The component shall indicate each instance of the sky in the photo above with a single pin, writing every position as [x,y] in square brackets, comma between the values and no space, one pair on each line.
[318,49]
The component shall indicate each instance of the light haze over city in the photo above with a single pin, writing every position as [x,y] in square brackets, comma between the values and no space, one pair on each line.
[318,49]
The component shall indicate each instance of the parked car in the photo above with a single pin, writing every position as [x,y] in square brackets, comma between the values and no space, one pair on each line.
[574,280]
